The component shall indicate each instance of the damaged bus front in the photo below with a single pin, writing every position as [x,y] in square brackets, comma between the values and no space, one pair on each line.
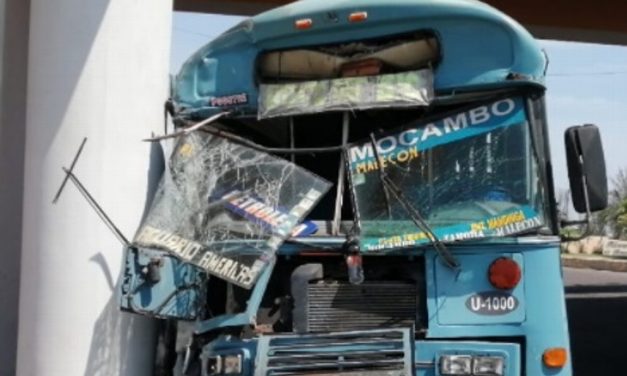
[361,188]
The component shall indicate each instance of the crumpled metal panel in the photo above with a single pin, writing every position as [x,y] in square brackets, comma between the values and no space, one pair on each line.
[177,292]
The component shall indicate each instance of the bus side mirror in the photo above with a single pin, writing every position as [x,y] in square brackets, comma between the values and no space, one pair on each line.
[586,168]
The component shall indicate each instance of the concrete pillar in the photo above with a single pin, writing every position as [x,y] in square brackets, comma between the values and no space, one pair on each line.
[14,16]
[96,69]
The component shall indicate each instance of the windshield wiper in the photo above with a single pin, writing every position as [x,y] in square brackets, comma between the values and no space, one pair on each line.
[414,214]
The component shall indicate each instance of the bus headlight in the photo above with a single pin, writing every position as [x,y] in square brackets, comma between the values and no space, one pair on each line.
[214,365]
[455,365]
[487,366]
[230,364]
[451,365]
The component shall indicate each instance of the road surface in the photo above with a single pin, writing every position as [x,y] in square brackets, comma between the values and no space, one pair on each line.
[597,314]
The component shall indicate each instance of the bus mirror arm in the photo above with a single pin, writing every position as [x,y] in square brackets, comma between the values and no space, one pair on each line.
[582,235]
[585,221]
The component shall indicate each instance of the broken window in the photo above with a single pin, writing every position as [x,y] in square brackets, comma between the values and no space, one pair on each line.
[368,74]
[226,207]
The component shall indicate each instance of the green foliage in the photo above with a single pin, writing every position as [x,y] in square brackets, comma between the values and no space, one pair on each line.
[621,216]
[571,232]
[613,220]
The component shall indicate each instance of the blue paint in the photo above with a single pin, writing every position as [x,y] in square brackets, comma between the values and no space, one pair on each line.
[453,288]
[543,323]
[480,47]
[179,294]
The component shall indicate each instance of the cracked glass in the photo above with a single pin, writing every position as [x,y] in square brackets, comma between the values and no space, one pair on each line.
[471,175]
[226,207]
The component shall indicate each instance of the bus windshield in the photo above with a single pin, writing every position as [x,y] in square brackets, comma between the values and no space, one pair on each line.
[471,175]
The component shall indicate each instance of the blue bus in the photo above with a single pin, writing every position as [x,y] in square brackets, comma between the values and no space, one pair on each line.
[361,188]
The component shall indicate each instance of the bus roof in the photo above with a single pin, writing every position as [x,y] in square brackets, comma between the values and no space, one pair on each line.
[480,48]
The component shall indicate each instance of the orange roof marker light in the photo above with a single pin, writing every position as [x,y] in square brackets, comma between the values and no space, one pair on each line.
[303,23]
[358,16]
[555,357]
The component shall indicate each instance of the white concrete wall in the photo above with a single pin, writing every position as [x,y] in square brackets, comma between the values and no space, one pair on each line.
[13,58]
[96,69]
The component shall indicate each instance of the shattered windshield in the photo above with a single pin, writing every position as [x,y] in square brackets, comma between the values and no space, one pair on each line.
[226,207]
[471,175]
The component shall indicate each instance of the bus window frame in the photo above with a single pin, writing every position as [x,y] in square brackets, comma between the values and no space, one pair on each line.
[538,149]
[537,120]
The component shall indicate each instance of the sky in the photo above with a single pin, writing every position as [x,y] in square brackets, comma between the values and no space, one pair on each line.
[586,83]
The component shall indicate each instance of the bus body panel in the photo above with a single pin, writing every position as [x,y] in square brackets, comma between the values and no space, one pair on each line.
[544,326]
[479,46]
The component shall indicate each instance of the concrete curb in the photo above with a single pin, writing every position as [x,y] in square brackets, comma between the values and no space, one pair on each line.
[594,262]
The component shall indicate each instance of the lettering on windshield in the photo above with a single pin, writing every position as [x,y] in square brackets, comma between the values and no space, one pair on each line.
[405,146]
[195,253]
[498,226]
[275,219]
[471,174]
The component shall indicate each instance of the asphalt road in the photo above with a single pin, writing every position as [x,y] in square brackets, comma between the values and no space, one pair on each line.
[597,314]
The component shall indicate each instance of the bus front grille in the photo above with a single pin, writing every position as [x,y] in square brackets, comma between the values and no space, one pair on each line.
[339,306]
[374,353]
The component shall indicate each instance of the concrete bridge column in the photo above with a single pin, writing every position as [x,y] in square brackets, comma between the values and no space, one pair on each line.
[13,57]
[96,69]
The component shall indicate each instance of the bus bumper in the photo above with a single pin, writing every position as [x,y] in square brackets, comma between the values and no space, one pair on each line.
[389,352]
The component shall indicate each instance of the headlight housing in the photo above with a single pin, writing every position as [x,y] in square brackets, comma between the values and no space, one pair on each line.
[214,365]
[455,365]
[232,364]
[451,365]
[487,366]
[228,364]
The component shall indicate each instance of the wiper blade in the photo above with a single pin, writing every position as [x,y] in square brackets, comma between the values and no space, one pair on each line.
[414,214]
[419,221]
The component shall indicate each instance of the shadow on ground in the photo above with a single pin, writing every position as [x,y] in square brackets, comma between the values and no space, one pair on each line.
[597,317]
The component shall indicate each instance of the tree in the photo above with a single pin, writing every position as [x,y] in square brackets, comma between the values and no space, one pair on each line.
[621,219]
[613,220]
[563,204]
